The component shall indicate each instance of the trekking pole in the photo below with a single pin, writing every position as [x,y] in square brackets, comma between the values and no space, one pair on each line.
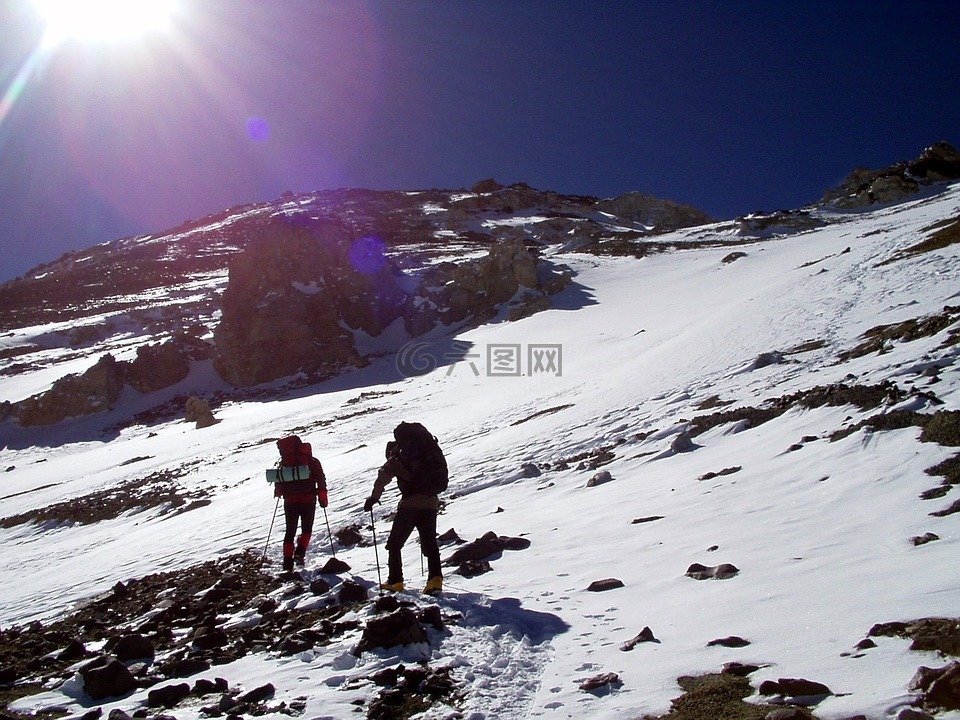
[329,534]
[270,532]
[373,529]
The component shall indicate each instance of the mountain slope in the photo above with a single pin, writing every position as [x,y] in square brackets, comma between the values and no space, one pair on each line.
[695,378]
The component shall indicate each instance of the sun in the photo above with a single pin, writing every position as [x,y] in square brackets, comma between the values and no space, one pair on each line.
[103,20]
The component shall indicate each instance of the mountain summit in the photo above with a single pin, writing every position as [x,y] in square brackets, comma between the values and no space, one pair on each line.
[697,469]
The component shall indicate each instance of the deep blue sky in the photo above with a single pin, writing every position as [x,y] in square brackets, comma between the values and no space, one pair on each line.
[730,106]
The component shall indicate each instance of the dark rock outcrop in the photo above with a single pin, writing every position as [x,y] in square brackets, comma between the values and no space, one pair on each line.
[107,677]
[871,187]
[398,628]
[300,294]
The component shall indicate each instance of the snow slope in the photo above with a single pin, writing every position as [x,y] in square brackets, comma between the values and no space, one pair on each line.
[819,530]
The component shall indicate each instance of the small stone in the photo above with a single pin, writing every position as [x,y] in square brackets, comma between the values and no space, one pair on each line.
[605,585]
[601,683]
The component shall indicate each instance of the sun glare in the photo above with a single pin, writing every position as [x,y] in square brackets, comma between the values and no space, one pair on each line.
[103,20]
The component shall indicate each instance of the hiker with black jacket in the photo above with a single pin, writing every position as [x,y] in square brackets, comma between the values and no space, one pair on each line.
[300,499]
[418,507]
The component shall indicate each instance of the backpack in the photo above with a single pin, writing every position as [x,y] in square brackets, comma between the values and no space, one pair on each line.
[421,455]
[296,458]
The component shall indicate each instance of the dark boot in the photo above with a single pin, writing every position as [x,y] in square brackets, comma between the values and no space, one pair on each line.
[299,556]
[288,564]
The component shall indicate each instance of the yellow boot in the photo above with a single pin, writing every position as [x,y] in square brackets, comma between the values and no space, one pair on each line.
[434,586]
[393,586]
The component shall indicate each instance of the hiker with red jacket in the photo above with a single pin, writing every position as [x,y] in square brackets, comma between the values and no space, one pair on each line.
[300,498]
[417,463]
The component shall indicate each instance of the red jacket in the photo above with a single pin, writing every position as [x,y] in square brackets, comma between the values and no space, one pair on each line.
[305,491]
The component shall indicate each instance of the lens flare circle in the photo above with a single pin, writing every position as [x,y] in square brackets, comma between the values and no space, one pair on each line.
[258,129]
[103,20]
[366,255]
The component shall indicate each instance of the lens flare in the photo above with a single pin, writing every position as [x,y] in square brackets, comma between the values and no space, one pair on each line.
[366,255]
[258,129]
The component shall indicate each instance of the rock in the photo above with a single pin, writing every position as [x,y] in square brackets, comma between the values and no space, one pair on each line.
[203,686]
[349,536]
[168,695]
[474,568]
[319,586]
[386,604]
[157,367]
[733,641]
[299,292]
[719,572]
[683,443]
[662,215]
[913,714]
[486,547]
[185,667]
[486,186]
[601,683]
[431,616]
[73,651]
[197,410]
[94,391]
[131,646]
[210,638]
[399,628]
[600,478]
[106,677]
[605,585]
[530,470]
[894,183]
[645,636]
[351,592]
[334,566]
[940,161]
[924,539]
[739,669]
[258,694]
[794,688]
[284,306]
[944,689]
[786,713]
[450,537]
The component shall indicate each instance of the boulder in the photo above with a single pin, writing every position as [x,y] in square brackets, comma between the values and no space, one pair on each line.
[197,410]
[398,628]
[646,210]
[718,572]
[605,585]
[156,367]
[168,695]
[106,677]
[94,391]
[602,683]
[486,547]
[131,646]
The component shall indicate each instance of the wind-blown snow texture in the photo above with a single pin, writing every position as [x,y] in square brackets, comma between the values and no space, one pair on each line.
[819,530]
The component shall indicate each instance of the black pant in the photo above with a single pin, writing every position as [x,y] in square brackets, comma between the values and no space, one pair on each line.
[425,522]
[298,513]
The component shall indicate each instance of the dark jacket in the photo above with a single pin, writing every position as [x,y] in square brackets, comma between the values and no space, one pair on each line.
[393,468]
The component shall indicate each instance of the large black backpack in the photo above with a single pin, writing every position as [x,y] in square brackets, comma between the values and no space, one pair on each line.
[421,455]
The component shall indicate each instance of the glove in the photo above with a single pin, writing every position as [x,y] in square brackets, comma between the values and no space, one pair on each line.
[322,498]
[368,505]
